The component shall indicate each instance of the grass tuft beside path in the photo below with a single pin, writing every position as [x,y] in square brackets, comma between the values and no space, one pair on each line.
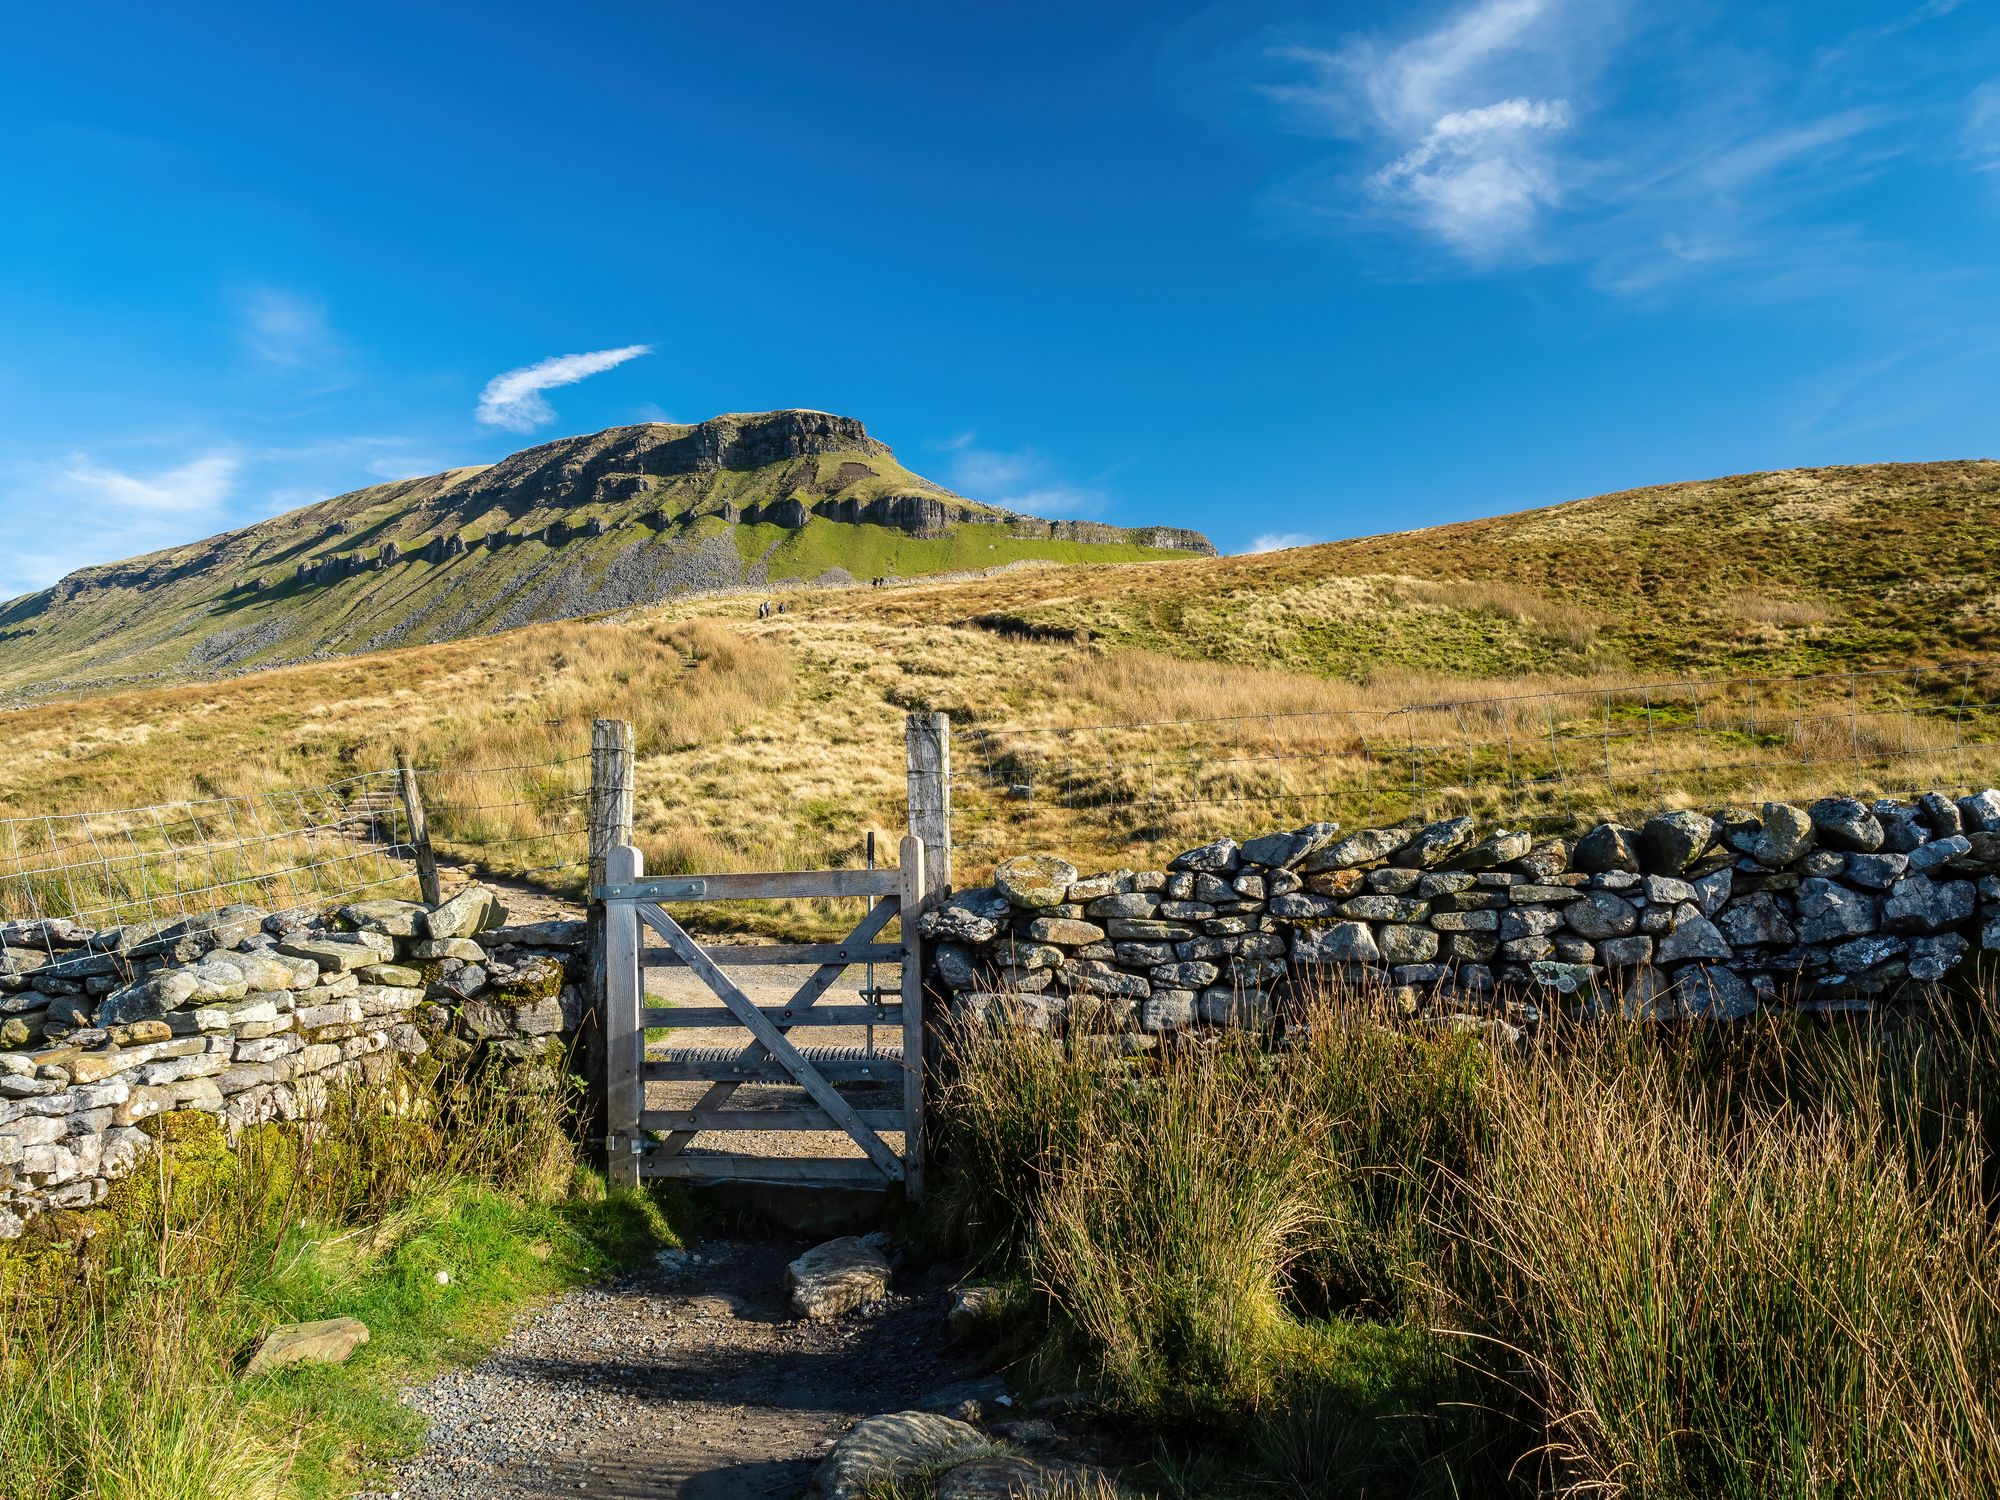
[123,1331]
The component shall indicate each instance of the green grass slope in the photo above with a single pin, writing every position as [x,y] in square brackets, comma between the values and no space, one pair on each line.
[1794,571]
[611,520]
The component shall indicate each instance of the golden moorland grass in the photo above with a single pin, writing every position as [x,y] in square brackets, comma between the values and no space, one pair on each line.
[778,742]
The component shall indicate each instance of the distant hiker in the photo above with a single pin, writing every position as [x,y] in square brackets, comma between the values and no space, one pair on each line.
[764,610]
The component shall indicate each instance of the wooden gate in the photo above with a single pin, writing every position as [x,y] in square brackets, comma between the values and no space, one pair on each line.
[658,1138]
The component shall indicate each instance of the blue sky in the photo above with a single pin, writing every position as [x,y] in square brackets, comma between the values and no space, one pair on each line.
[1274,271]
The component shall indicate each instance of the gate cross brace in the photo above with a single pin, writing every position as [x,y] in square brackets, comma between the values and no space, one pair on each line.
[771,1038]
[807,996]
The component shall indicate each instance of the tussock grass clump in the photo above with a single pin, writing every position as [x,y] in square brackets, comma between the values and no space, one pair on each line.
[1392,1258]
[1748,1286]
[1164,1248]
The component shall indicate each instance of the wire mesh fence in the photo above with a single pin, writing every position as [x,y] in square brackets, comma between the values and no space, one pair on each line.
[1547,761]
[77,885]
[529,820]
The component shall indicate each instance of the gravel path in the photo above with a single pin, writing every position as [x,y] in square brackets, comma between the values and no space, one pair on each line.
[688,1380]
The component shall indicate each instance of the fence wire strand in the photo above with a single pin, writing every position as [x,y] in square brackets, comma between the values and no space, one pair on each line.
[75,886]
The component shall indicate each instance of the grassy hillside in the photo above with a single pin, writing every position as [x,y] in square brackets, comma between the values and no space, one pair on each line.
[770,743]
[614,520]
[1799,571]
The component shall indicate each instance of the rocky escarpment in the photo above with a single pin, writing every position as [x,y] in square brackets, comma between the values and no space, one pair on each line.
[455,553]
[1839,905]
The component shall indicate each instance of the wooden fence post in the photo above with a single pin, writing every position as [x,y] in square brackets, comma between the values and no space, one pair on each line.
[611,780]
[624,1037]
[915,1065]
[420,834]
[927,753]
[926,860]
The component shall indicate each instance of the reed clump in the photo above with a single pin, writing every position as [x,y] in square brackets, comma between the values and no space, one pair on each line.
[1394,1257]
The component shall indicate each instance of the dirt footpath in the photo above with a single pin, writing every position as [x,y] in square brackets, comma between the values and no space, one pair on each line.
[687,1380]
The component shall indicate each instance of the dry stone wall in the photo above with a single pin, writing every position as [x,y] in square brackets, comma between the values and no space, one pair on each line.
[253,1017]
[1838,905]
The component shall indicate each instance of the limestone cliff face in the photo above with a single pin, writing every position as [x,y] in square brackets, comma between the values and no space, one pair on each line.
[607,520]
[614,463]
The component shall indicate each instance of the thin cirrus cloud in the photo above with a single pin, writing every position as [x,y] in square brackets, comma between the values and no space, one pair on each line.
[514,400]
[1649,145]
[1981,132]
[285,329]
[79,511]
[1016,480]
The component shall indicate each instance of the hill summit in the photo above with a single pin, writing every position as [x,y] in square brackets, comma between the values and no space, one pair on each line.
[617,518]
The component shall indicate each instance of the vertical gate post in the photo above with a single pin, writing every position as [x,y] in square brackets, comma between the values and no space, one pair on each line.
[913,1018]
[624,1037]
[927,753]
[420,833]
[611,780]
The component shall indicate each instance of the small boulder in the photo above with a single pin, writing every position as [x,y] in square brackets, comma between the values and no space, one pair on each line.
[1713,994]
[1283,850]
[1606,847]
[1217,858]
[1602,914]
[837,1277]
[972,1306]
[1786,835]
[328,1342]
[1029,881]
[1846,823]
[474,909]
[1829,912]
[1980,813]
[1921,904]
[1940,815]
[1363,848]
[1693,937]
[395,918]
[1670,843]
[1437,843]
[879,1451]
[1496,849]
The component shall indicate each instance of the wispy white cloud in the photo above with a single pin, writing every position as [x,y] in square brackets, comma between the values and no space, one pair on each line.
[1279,541]
[196,488]
[1981,131]
[1645,144]
[1479,176]
[77,511]
[1467,111]
[955,441]
[1019,480]
[514,400]
[285,329]
[1866,36]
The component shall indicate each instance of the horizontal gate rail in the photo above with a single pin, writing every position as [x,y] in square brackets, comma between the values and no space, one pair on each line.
[806,1118]
[751,955]
[687,1017]
[723,1167]
[730,1068]
[781,885]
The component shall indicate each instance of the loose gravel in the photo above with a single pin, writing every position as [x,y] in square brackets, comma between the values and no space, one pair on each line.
[689,1379]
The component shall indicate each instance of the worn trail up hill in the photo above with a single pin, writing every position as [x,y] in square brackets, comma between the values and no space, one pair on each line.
[623,517]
